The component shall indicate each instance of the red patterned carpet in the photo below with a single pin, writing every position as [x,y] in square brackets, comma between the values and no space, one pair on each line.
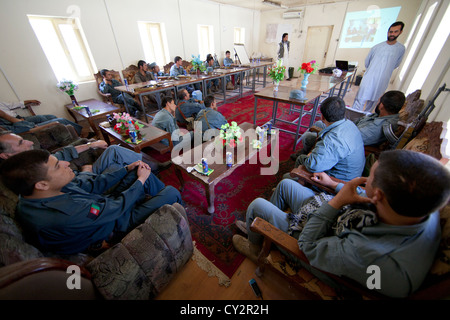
[213,233]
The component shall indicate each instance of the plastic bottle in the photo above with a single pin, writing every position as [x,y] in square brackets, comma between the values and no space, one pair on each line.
[132,132]
[126,83]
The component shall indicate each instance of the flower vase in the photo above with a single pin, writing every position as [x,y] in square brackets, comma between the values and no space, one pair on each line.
[72,97]
[198,73]
[275,86]
[305,80]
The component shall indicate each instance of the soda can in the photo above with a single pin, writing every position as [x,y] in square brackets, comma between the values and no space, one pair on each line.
[261,135]
[205,165]
[229,157]
[133,136]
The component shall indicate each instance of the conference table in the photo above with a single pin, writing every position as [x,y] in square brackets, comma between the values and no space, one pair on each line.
[319,85]
[180,82]
[215,155]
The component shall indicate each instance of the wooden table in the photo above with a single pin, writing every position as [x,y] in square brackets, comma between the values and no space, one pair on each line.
[317,86]
[104,109]
[151,137]
[208,150]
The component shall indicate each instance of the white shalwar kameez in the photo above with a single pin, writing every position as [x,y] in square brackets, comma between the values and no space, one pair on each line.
[380,63]
[285,60]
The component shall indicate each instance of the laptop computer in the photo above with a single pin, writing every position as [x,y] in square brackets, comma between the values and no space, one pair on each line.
[342,65]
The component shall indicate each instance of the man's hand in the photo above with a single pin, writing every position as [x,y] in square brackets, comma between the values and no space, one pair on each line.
[99,144]
[86,168]
[143,170]
[349,195]
[324,179]
[32,102]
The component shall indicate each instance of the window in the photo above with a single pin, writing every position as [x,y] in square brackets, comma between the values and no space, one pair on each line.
[239,35]
[431,54]
[417,40]
[205,41]
[154,41]
[65,47]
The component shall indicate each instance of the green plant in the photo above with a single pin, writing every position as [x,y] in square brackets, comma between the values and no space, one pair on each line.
[197,63]
[277,72]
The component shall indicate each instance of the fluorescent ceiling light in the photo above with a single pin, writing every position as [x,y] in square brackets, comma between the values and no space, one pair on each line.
[274,4]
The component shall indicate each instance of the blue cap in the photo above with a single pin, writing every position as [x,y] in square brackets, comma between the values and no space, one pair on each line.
[197,95]
[297,94]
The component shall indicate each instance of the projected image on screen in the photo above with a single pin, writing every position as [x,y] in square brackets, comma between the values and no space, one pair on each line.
[364,29]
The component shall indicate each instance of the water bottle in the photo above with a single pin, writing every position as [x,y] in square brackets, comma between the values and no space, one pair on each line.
[126,83]
[229,157]
[205,168]
[132,132]
[88,111]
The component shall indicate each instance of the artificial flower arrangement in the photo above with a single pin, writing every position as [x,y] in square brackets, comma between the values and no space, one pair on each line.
[123,123]
[309,67]
[230,134]
[277,72]
[197,64]
[67,86]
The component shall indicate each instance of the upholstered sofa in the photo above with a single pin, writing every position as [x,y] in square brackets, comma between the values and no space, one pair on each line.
[138,267]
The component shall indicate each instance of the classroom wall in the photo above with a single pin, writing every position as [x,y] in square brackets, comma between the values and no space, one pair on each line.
[111,30]
[329,14]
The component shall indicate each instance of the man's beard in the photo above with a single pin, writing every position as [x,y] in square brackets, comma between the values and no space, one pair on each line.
[392,38]
[377,109]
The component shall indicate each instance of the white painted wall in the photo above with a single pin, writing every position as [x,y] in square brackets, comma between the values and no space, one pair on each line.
[110,27]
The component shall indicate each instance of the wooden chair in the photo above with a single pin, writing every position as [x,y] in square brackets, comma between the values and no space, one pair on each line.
[129,73]
[167,67]
[435,286]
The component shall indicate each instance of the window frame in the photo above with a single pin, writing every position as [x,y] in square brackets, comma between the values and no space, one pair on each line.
[81,40]
[210,45]
[162,40]
[241,31]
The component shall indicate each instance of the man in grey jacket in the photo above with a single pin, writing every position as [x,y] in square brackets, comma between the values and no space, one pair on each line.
[393,224]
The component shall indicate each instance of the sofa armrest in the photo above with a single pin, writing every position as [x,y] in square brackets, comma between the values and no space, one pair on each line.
[44,278]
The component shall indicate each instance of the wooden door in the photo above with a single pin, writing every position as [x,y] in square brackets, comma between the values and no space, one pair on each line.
[317,44]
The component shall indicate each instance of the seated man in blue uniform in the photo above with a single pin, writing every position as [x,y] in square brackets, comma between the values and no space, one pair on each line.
[66,214]
[165,120]
[339,150]
[178,70]
[154,68]
[375,128]
[393,224]
[210,118]
[187,107]
[112,157]
[211,85]
[380,126]
[11,121]
[108,86]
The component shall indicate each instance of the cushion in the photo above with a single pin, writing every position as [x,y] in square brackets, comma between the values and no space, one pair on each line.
[146,259]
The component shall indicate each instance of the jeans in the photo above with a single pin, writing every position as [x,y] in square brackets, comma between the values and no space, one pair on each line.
[288,194]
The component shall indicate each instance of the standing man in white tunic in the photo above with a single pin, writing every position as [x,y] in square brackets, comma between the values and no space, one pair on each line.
[381,61]
[283,53]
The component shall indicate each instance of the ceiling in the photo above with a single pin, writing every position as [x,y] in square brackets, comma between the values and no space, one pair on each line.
[285,4]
